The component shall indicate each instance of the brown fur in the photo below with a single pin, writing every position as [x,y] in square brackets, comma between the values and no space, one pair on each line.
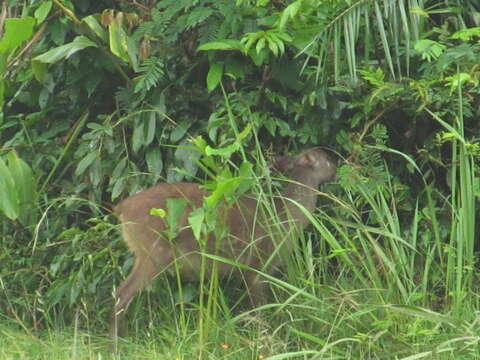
[249,239]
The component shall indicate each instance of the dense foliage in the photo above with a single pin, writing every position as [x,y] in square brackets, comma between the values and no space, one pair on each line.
[100,98]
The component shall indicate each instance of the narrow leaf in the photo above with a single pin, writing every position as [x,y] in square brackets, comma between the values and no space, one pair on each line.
[85,163]
[222,45]
[138,136]
[214,76]
[152,123]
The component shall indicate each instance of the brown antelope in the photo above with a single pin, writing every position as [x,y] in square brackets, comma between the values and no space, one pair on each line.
[249,240]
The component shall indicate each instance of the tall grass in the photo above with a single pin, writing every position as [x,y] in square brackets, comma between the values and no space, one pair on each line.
[368,280]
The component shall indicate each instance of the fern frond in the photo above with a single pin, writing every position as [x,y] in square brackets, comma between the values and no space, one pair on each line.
[150,71]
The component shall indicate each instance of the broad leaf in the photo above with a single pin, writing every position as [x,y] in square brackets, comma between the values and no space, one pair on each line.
[118,41]
[25,187]
[42,11]
[154,161]
[65,51]
[95,26]
[8,195]
[196,220]
[16,32]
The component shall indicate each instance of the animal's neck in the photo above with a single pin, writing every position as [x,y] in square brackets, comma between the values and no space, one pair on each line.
[302,190]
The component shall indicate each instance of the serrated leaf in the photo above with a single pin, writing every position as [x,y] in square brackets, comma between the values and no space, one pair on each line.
[466,34]
[65,51]
[16,32]
[85,163]
[214,76]
[42,11]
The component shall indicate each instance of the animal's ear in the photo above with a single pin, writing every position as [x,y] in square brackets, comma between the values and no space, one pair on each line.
[307,159]
[282,163]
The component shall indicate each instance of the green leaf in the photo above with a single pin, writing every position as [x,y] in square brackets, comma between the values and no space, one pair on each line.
[158,212]
[289,13]
[460,79]
[154,161]
[118,170]
[42,11]
[223,152]
[224,189]
[200,143]
[39,70]
[175,209]
[25,187]
[132,50]
[118,188]
[138,136]
[260,45]
[426,314]
[16,32]
[151,126]
[179,132]
[466,34]
[95,26]
[118,41]
[196,220]
[85,162]
[3,63]
[222,45]
[214,76]
[65,51]
[8,195]
[245,132]
[245,174]
[429,49]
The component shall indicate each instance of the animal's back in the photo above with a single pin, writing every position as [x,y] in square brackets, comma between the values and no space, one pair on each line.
[141,230]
